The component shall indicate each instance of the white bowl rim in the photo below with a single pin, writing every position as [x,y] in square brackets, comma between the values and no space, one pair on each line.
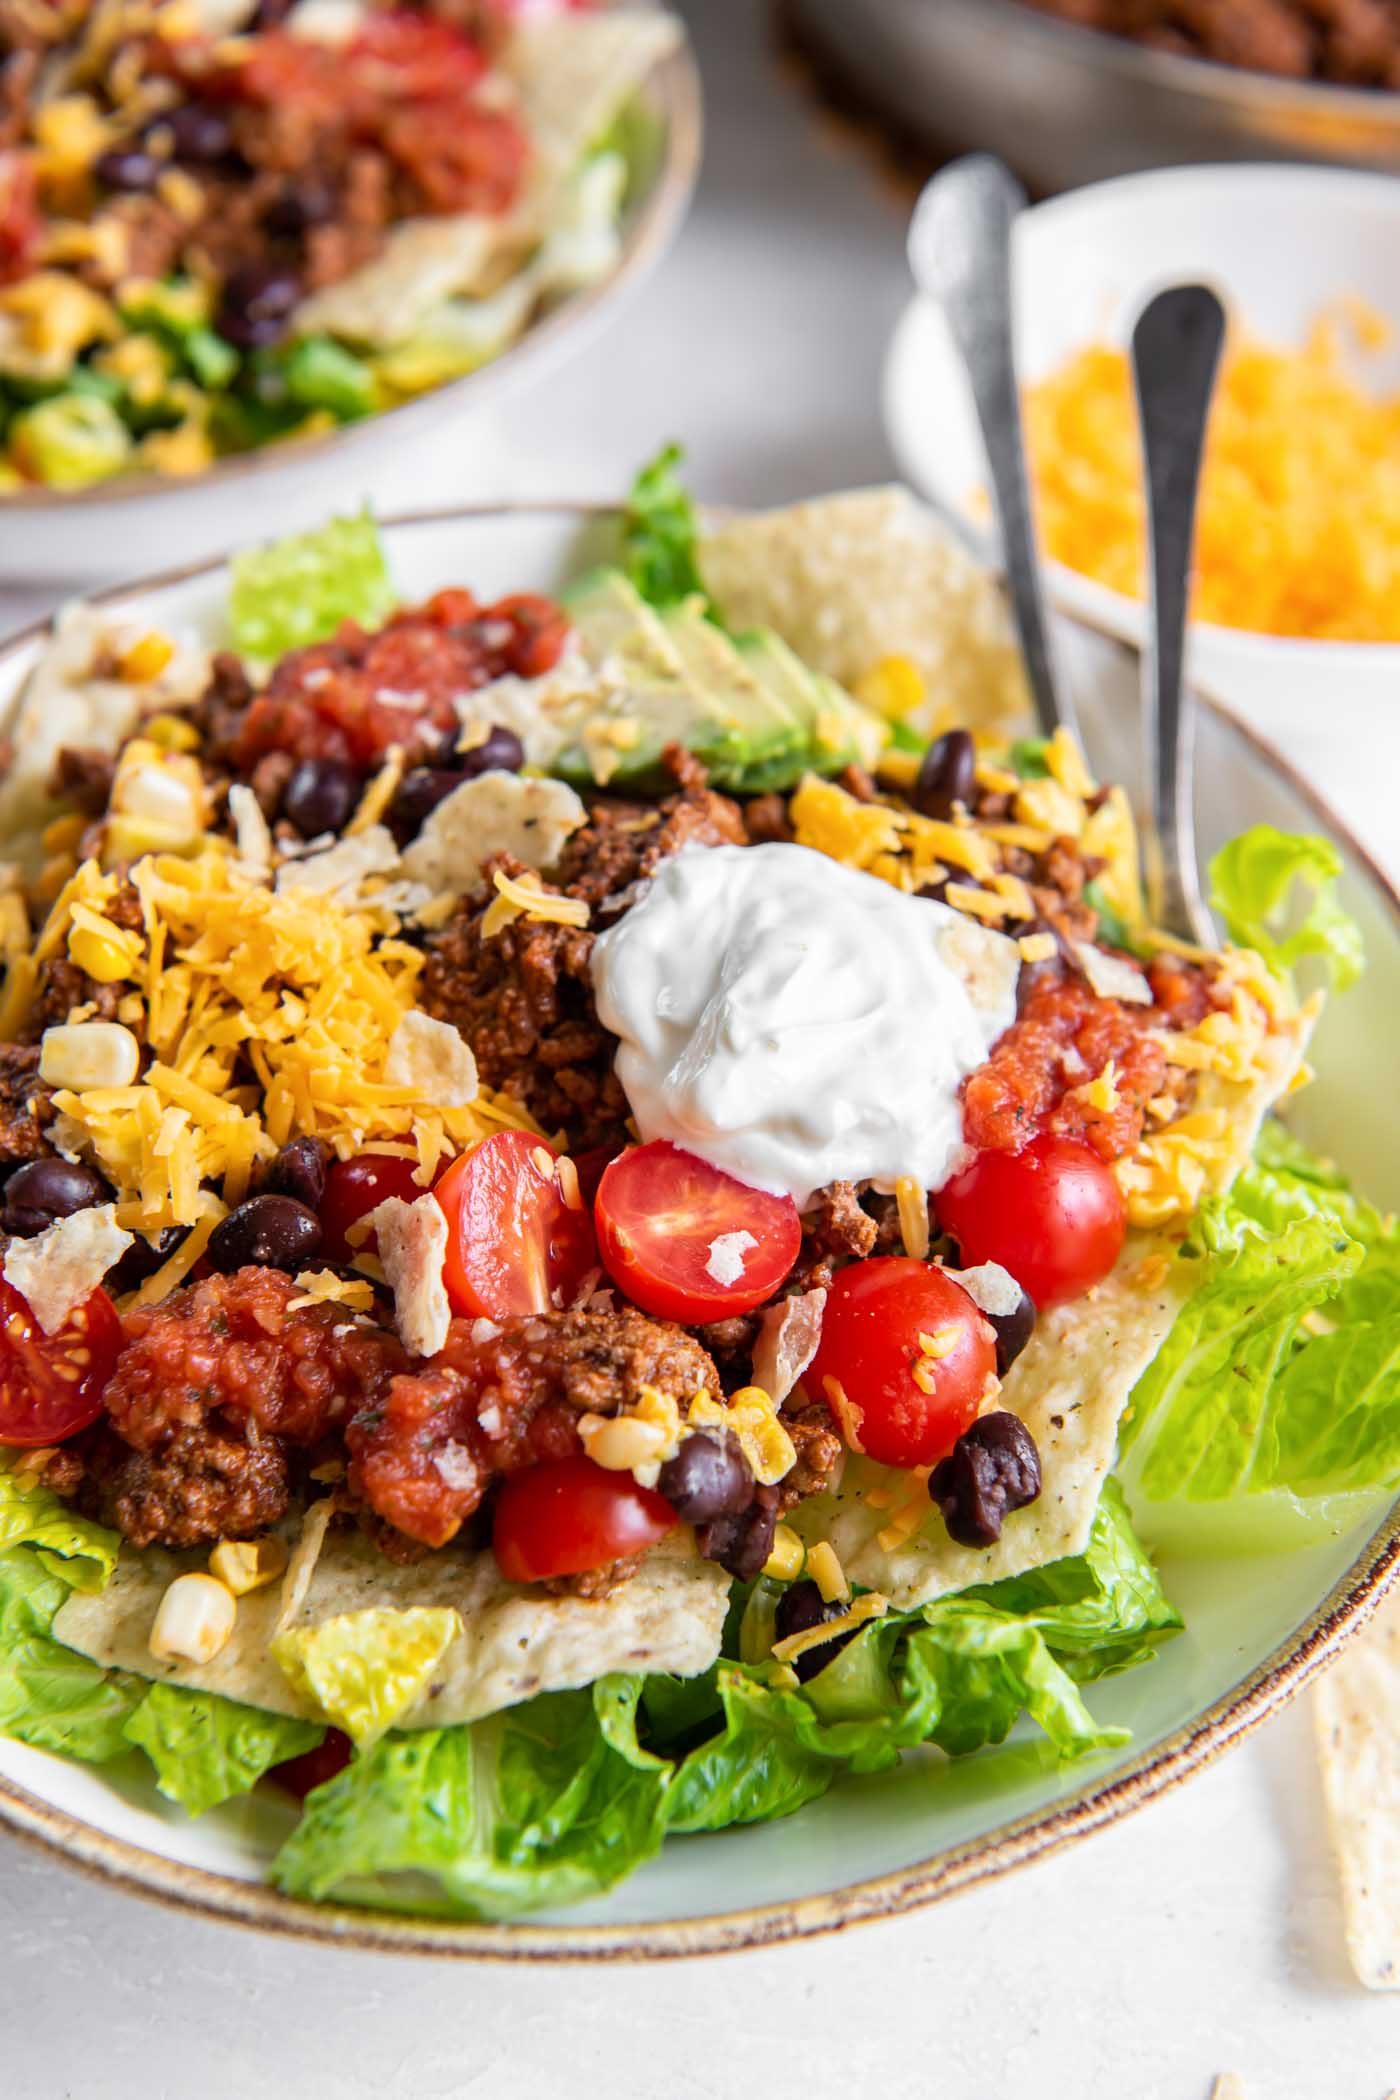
[1348,1604]
[655,220]
[1111,613]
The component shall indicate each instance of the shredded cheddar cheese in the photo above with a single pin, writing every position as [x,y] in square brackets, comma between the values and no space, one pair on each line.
[1299,524]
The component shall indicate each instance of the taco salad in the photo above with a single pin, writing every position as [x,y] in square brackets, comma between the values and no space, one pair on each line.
[612,1208]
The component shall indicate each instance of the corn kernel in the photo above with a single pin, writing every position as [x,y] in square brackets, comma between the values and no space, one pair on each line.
[195,1620]
[146,658]
[83,1054]
[172,733]
[107,958]
[893,687]
[242,1565]
[784,1563]
[620,1443]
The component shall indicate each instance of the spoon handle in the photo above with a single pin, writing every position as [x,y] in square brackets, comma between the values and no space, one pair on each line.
[1176,349]
[960,253]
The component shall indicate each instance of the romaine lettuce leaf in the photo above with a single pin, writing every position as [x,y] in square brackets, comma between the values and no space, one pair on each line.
[958,1673]
[659,535]
[81,1553]
[206,1749]
[1254,885]
[50,1697]
[298,590]
[1277,1392]
[543,1804]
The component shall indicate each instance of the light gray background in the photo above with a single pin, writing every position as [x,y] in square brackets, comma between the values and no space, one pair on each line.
[1202,1936]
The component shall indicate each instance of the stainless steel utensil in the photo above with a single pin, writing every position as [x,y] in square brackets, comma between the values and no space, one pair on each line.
[1176,350]
[960,254]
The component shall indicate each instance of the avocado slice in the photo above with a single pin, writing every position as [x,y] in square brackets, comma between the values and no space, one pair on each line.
[764,731]
[836,730]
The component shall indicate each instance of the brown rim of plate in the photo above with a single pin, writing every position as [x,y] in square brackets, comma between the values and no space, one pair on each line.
[673,89]
[1150,1773]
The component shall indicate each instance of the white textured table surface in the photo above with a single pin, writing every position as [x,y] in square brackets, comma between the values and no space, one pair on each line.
[1201,1936]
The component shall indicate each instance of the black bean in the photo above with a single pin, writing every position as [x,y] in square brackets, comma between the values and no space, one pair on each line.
[1013,1330]
[993,1468]
[198,132]
[742,1542]
[500,751]
[38,1194]
[257,304]
[299,1171]
[802,1607]
[268,13]
[266,1232]
[709,1477]
[128,168]
[418,796]
[320,796]
[948,775]
[142,1259]
[306,201]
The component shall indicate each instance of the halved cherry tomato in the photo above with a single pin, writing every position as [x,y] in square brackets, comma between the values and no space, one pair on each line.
[909,1358]
[300,1775]
[355,1187]
[568,1515]
[413,57]
[51,1385]
[514,1244]
[1051,1214]
[688,1242]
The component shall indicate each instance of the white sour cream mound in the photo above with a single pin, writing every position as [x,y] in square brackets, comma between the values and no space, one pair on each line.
[797,1023]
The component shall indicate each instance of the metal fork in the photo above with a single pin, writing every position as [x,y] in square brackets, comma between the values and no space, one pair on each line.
[960,254]
[1176,350]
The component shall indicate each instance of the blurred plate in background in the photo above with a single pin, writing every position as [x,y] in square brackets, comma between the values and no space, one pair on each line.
[1066,105]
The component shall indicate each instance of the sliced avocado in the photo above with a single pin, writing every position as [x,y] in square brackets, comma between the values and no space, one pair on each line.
[655,700]
[764,730]
[837,730]
[613,621]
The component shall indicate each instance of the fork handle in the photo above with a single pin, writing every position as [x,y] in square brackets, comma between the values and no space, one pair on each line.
[960,243]
[1176,349]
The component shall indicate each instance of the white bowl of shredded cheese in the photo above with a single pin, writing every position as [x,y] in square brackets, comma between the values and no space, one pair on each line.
[1287,247]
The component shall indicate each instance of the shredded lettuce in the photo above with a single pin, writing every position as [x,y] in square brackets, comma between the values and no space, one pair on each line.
[1276,1397]
[206,1749]
[1258,884]
[81,1553]
[51,1697]
[660,534]
[544,1804]
[298,590]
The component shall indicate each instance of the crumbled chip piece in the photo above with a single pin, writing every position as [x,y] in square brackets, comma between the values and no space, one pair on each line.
[990,1287]
[412,1244]
[1111,976]
[725,1260]
[433,1059]
[494,813]
[63,1265]
[251,833]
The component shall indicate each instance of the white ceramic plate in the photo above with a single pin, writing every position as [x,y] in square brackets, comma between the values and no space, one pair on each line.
[1280,244]
[1256,1628]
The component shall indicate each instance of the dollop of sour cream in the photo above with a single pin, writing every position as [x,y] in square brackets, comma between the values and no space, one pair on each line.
[796,1022]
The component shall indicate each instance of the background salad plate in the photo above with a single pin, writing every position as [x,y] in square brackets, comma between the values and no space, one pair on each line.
[55,536]
[1258,1627]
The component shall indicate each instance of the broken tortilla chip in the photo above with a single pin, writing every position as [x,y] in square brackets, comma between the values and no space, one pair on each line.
[1356,1707]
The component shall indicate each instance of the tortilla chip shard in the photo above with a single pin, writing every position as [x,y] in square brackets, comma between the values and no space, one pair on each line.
[365,1669]
[1357,1712]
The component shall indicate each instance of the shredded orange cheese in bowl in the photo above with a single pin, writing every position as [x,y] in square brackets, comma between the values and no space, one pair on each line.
[1299,525]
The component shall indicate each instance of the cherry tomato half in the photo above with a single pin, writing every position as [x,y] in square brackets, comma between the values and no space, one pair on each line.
[1052,1215]
[51,1385]
[514,1243]
[568,1515]
[355,1187]
[688,1242]
[912,1355]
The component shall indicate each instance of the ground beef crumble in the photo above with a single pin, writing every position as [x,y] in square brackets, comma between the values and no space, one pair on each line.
[26,1107]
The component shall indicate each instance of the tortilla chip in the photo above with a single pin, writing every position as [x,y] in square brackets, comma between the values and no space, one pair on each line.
[851,580]
[515,1642]
[573,73]
[423,262]
[1356,1708]
[1069,1386]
